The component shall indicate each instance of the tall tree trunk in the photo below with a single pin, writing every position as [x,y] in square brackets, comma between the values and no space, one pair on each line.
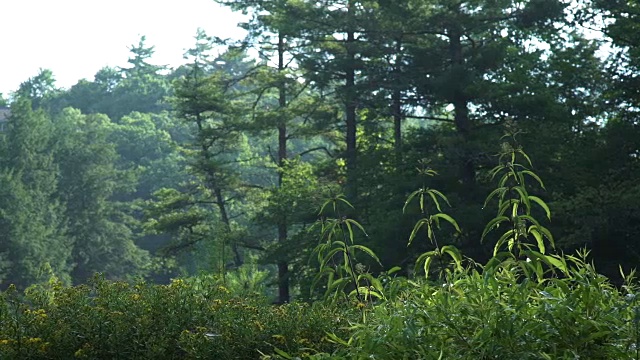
[224,216]
[283,266]
[221,203]
[396,101]
[461,109]
[350,107]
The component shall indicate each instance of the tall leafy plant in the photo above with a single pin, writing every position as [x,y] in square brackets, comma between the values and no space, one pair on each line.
[525,239]
[430,220]
[336,255]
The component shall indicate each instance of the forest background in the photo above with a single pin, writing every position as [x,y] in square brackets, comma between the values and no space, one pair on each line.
[221,165]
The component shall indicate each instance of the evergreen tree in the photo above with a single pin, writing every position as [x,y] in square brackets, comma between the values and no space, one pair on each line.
[102,229]
[32,220]
[204,100]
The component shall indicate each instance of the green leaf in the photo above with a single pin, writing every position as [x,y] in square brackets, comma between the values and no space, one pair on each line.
[427,265]
[367,251]
[530,218]
[375,282]
[326,271]
[350,229]
[441,195]
[325,259]
[495,171]
[504,179]
[335,339]
[425,259]
[524,197]
[536,234]
[455,254]
[506,205]
[357,224]
[500,191]
[507,235]
[411,196]
[367,292]
[435,199]
[282,353]
[520,178]
[544,231]
[533,175]
[596,335]
[344,201]
[495,222]
[525,156]
[557,262]
[416,228]
[338,284]
[448,219]
[542,204]
[323,206]
[393,270]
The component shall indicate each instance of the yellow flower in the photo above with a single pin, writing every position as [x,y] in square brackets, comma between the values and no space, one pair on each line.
[223,289]
[5,342]
[82,351]
[177,283]
[279,338]
[135,297]
[41,314]
[361,305]
[34,340]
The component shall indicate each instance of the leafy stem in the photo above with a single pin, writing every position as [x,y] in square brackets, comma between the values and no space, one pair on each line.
[348,271]
[432,222]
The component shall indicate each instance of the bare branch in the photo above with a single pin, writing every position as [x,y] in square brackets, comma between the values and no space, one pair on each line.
[323,148]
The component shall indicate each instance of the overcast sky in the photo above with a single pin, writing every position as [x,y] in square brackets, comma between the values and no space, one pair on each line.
[76,38]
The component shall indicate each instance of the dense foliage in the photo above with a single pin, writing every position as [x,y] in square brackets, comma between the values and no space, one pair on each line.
[388,116]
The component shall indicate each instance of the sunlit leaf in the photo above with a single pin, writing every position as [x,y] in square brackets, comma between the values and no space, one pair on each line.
[411,196]
[494,223]
[455,254]
[435,199]
[506,236]
[416,228]
[367,251]
[542,204]
[448,219]
[499,191]
[524,197]
[536,234]
[533,175]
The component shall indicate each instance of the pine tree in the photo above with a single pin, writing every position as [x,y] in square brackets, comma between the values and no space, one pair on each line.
[32,220]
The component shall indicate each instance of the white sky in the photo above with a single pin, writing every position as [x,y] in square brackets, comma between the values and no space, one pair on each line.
[76,38]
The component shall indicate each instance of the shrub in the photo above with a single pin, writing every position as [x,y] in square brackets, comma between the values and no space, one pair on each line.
[188,319]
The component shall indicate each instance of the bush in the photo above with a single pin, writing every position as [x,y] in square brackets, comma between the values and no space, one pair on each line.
[188,319]
[503,316]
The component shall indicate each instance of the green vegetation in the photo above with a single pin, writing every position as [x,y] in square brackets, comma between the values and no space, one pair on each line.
[522,304]
[269,206]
